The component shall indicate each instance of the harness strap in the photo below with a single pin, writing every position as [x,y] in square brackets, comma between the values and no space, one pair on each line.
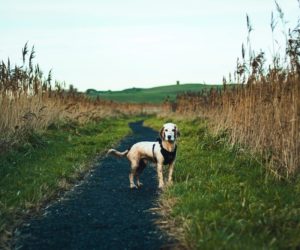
[154,158]
[169,157]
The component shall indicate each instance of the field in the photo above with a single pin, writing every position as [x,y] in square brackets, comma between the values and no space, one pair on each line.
[223,198]
[150,95]
[220,194]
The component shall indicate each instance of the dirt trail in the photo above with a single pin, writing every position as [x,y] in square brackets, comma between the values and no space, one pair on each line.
[102,212]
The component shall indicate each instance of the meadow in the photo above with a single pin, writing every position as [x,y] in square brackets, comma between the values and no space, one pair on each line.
[223,198]
[158,95]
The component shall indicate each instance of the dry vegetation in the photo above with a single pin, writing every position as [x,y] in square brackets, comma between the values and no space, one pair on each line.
[263,110]
[29,103]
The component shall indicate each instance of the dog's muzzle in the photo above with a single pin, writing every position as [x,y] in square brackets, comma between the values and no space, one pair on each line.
[170,138]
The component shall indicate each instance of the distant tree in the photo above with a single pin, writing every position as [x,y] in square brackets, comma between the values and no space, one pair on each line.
[167,98]
[91,91]
[71,88]
[177,82]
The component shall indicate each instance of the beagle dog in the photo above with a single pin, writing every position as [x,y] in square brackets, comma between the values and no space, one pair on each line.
[162,152]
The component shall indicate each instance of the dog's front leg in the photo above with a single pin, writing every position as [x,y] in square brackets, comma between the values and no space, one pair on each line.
[160,175]
[170,175]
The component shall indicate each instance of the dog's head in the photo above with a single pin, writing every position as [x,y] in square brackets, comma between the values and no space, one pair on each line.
[169,132]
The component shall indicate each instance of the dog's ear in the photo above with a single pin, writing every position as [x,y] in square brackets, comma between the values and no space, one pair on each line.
[177,131]
[161,132]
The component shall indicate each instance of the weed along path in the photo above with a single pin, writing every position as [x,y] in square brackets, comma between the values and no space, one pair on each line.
[101,212]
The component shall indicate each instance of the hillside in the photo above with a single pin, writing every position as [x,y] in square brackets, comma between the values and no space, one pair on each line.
[150,95]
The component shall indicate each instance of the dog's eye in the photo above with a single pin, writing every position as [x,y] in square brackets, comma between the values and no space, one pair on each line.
[173,130]
[166,130]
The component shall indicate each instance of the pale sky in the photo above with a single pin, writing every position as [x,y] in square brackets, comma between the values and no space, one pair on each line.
[118,44]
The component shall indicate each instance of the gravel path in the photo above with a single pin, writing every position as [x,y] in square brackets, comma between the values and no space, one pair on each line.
[102,212]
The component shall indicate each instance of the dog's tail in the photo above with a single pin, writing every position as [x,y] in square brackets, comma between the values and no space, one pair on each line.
[117,153]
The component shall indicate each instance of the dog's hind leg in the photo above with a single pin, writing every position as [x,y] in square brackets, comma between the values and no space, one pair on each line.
[131,178]
[134,167]
[142,165]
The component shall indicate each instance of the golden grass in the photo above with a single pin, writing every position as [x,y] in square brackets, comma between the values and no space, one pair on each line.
[263,110]
[29,103]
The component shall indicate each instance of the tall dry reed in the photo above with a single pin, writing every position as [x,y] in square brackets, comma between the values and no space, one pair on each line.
[29,103]
[263,110]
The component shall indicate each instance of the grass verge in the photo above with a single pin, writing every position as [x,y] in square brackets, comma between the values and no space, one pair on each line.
[50,163]
[224,199]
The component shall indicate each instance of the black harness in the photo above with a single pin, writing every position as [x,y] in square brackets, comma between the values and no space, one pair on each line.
[169,157]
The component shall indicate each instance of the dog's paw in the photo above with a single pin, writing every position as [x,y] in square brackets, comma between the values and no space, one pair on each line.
[139,185]
[169,183]
[133,186]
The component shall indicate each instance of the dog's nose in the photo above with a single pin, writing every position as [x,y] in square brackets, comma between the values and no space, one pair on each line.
[169,137]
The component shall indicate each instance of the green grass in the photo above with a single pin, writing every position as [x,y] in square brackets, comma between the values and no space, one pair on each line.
[48,163]
[227,200]
[151,95]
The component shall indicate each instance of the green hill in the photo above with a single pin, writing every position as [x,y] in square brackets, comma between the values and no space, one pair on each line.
[150,95]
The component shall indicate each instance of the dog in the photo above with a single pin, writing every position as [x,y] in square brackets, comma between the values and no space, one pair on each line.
[162,152]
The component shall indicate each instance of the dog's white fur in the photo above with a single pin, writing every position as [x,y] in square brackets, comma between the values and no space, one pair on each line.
[142,152]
